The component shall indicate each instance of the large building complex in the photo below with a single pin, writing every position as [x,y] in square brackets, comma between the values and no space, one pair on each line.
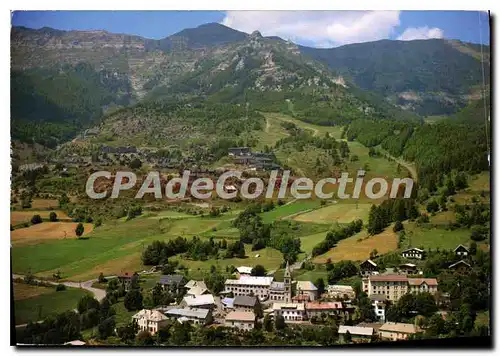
[394,286]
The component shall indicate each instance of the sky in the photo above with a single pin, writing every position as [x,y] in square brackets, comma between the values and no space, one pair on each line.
[311,28]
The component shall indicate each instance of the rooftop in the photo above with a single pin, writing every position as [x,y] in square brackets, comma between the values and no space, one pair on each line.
[198,290]
[206,299]
[324,306]
[306,285]
[339,288]
[241,316]
[171,279]
[284,306]
[244,270]
[461,262]
[355,330]
[461,247]
[192,313]
[370,262]
[148,314]
[251,280]
[244,300]
[388,278]
[413,249]
[192,283]
[399,327]
[419,281]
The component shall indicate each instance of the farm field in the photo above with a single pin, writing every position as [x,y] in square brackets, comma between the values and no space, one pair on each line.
[359,246]
[341,213]
[42,232]
[45,204]
[43,303]
[22,216]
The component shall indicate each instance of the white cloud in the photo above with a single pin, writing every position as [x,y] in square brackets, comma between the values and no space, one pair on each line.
[420,33]
[319,28]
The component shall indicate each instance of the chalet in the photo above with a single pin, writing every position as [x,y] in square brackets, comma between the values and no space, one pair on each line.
[307,289]
[461,251]
[239,151]
[290,311]
[413,253]
[245,303]
[172,282]
[242,320]
[368,268]
[397,331]
[126,279]
[358,333]
[460,266]
[150,320]
[420,285]
[408,268]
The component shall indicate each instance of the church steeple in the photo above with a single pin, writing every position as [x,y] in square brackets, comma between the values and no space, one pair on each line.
[287,279]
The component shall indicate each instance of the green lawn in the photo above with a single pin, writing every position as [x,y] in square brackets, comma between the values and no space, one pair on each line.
[41,306]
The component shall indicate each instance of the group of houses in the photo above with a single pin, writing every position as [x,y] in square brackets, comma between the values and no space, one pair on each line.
[255,160]
[388,331]
[391,286]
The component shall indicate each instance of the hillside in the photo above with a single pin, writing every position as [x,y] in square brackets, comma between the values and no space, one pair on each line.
[429,77]
[96,71]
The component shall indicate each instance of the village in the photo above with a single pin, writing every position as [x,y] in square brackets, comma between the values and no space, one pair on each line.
[247,300]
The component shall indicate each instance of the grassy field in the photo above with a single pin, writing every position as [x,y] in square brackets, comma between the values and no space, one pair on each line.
[308,242]
[43,303]
[117,246]
[359,246]
[288,210]
[341,213]
[22,216]
[39,233]
[26,291]
[436,237]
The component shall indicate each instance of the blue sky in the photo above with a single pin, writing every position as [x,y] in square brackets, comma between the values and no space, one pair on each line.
[314,28]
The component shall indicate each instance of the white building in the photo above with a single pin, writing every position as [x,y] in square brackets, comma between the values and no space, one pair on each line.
[243,320]
[379,304]
[150,320]
[247,285]
[337,291]
[290,311]
[413,253]
[395,286]
[205,301]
